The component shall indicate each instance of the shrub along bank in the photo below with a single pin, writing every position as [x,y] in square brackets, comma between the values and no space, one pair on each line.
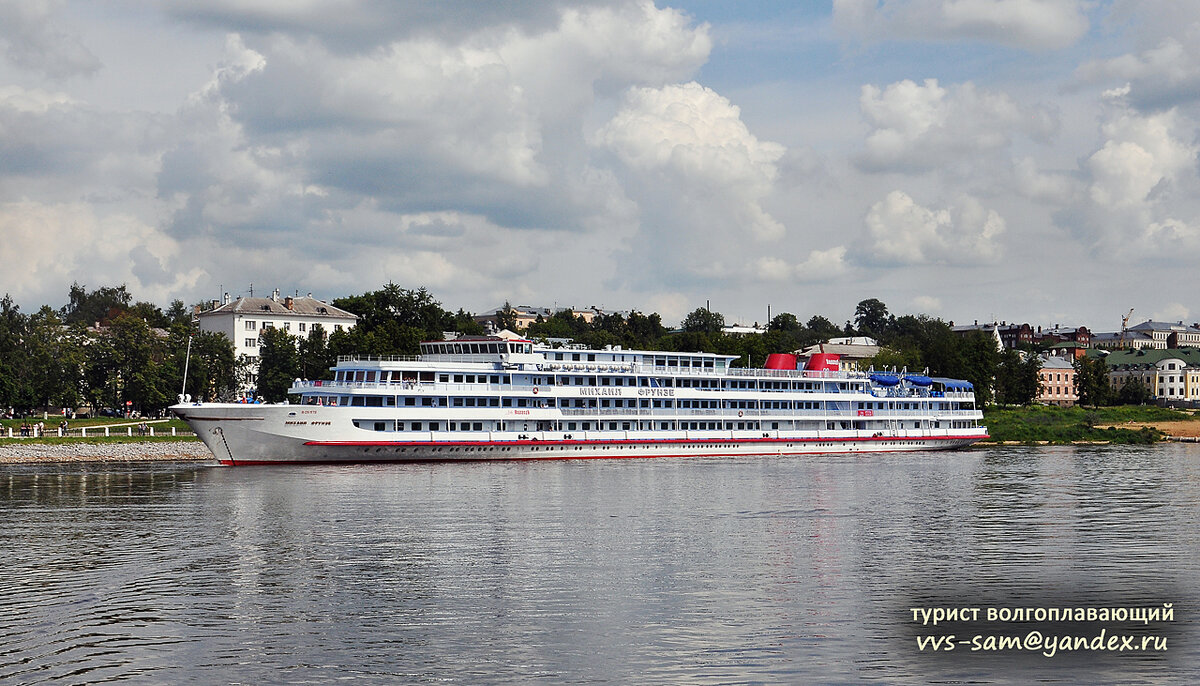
[1037,424]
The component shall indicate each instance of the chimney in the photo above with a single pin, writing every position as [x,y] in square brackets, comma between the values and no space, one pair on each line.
[275,295]
[289,303]
[225,300]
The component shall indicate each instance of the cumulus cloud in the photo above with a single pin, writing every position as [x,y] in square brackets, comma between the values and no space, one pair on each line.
[34,38]
[818,266]
[1157,78]
[1172,312]
[904,232]
[693,140]
[1030,24]
[48,245]
[917,127]
[1141,187]
[1140,154]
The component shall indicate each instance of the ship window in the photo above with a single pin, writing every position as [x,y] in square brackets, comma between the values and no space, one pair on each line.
[357,401]
[506,403]
[470,402]
[604,381]
[495,380]
[522,402]
[427,402]
[457,402]
[591,357]
[477,426]
[458,378]
[416,426]
[591,381]
[433,426]
[379,426]
[374,401]
[587,426]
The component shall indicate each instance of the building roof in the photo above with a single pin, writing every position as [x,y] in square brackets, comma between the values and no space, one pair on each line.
[1056,362]
[855,352]
[1151,325]
[304,306]
[1150,356]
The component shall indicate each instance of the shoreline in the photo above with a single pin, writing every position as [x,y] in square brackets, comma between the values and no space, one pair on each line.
[133,451]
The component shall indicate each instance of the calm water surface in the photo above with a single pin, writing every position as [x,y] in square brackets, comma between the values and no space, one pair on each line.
[790,570]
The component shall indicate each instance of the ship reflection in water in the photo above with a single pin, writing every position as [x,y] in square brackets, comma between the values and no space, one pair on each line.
[780,570]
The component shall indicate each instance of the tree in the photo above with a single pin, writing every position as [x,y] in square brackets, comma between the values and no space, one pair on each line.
[314,357]
[871,317]
[99,306]
[822,329]
[212,370]
[702,320]
[14,384]
[1134,392]
[979,357]
[1091,381]
[392,321]
[784,321]
[1017,378]
[507,317]
[278,364]
[54,359]
[138,356]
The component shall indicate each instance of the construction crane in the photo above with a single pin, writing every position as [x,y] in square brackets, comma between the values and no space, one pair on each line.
[1124,328]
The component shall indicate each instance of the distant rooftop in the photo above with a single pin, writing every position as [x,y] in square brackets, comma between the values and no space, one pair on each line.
[306,306]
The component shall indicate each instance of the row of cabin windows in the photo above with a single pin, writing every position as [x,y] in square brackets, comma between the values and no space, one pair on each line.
[567,426]
[384,376]
[462,348]
[884,406]
[697,363]
[609,426]
[580,403]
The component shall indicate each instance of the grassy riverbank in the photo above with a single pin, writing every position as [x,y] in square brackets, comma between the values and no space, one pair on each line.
[1122,424]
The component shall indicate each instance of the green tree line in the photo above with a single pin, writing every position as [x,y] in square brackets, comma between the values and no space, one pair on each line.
[136,355]
[104,351]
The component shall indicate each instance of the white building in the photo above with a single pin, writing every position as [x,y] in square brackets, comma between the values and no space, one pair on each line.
[244,319]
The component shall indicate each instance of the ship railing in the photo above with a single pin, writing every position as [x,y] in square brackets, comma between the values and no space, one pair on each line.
[515,435]
[379,358]
[734,414]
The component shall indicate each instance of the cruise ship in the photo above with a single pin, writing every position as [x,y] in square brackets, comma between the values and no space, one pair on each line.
[492,398]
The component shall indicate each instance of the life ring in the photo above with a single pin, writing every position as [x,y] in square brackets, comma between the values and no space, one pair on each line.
[739,413]
[535,390]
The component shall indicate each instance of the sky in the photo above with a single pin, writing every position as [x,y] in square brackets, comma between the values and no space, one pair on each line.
[1017,160]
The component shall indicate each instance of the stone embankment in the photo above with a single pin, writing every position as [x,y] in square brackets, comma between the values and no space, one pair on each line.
[144,451]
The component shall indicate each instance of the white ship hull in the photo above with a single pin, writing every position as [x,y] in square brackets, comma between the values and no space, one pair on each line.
[240,434]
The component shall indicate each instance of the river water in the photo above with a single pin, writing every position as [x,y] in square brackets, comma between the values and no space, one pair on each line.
[761,570]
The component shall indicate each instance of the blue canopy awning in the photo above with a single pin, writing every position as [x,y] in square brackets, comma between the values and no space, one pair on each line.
[953,384]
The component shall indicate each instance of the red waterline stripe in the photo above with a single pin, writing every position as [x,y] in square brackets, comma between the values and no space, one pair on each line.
[557,458]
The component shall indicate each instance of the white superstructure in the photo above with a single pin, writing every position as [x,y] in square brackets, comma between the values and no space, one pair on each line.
[489,398]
